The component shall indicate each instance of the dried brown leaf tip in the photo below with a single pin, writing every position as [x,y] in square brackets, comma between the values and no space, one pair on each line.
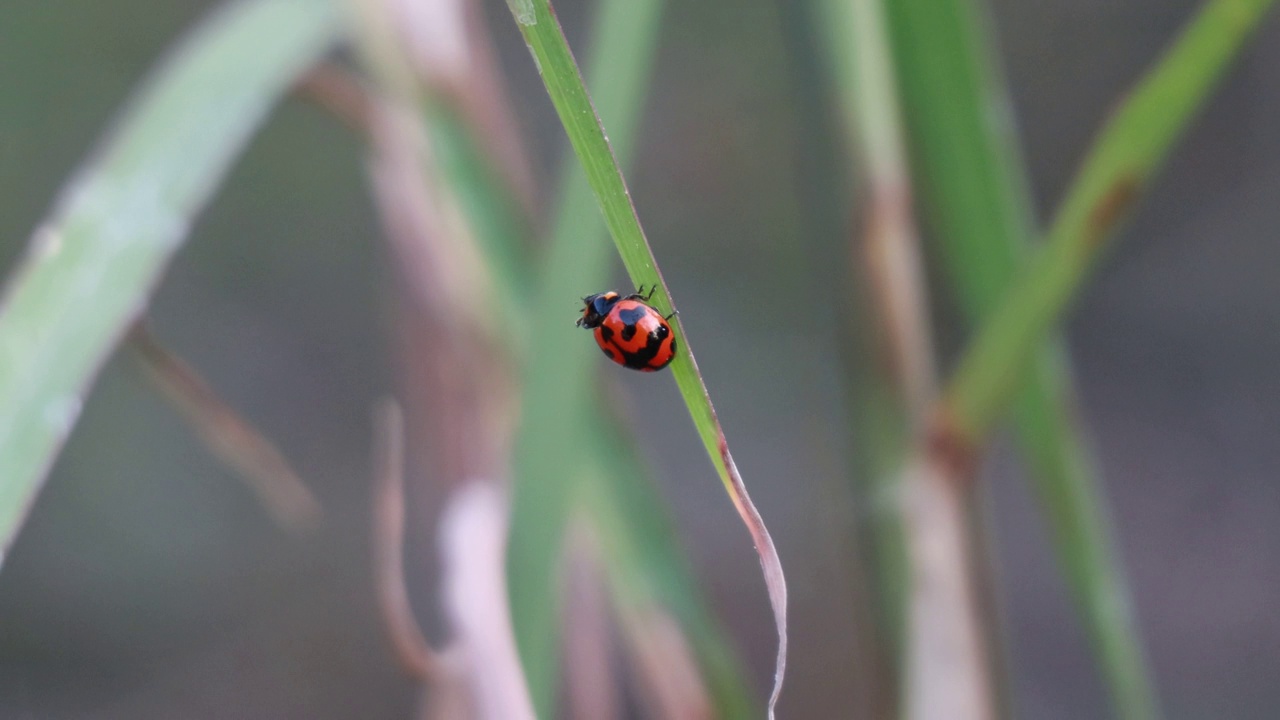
[771,565]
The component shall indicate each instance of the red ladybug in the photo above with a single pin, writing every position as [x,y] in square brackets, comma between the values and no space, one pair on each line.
[629,331]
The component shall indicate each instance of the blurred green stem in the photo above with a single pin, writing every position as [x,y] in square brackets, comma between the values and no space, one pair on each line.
[970,174]
[1116,171]
[972,181]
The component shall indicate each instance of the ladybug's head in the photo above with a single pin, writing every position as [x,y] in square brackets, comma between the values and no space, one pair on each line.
[596,308]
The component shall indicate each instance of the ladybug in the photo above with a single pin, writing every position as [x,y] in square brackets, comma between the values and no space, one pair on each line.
[629,331]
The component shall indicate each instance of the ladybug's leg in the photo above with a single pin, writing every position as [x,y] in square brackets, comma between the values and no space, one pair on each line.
[672,314]
[641,295]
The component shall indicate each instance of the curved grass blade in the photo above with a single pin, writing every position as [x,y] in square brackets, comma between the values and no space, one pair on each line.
[558,408]
[541,31]
[570,457]
[94,261]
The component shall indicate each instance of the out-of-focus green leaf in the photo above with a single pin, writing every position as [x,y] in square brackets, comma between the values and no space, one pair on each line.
[970,174]
[1004,356]
[1127,153]
[93,262]
[647,567]
[490,208]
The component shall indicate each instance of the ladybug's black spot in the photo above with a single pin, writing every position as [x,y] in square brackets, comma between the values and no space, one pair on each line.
[606,333]
[629,317]
[642,359]
[673,346]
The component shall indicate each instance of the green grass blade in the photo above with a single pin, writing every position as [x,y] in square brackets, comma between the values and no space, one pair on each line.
[94,261]
[1127,153]
[490,209]
[969,172]
[559,407]
[558,471]
[1080,525]
[560,74]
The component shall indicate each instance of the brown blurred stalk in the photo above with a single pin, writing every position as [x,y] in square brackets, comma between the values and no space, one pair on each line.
[945,662]
[407,640]
[671,685]
[230,437]
[454,362]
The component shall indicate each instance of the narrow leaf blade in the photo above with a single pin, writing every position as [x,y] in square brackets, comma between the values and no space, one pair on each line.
[582,125]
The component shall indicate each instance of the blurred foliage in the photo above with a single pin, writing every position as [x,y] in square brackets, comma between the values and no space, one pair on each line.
[975,197]
[967,167]
[92,264]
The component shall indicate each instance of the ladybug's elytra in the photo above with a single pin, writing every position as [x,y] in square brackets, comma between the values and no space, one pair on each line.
[629,331]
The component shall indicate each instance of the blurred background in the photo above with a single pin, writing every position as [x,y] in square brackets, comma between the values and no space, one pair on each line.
[149,582]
